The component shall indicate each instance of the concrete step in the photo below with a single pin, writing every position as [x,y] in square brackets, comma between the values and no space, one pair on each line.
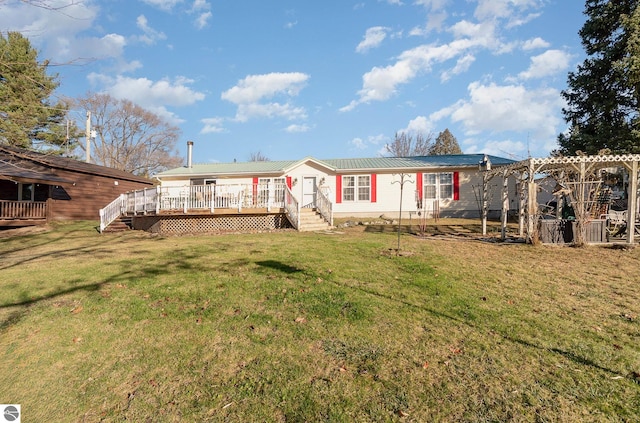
[310,221]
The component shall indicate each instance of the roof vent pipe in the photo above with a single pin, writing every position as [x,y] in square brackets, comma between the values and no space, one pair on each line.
[189,154]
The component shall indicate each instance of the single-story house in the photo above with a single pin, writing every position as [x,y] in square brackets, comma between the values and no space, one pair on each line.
[445,185]
[36,188]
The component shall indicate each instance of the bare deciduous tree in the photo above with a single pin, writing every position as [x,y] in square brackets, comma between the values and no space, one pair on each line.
[258,157]
[405,145]
[129,137]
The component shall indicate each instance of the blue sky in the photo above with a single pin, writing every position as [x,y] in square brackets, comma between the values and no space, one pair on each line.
[324,78]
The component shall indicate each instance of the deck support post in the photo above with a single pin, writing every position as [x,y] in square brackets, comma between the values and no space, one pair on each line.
[186,199]
[158,198]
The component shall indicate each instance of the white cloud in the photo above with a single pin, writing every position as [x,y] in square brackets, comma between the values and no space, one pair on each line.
[200,5]
[436,16]
[469,37]
[496,108]
[432,4]
[535,43]
[213,125]
[372,140]
[249,111]
[504,9]
[254,88]
[297,128]
[203,20]
[358,143]
[462,65]
[124,67]
[251,92]
[377,139]
[372,38]
[419,125]
[163,4]
[548,63]
[155,96]
[109,46]
[54,34]
[202,9]
[150,35]
[380,84]
[150,95]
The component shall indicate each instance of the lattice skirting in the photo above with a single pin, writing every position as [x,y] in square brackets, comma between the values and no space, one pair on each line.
[177,225]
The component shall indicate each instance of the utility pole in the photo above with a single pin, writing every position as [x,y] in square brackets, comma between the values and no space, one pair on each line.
[66,142]
[88,135]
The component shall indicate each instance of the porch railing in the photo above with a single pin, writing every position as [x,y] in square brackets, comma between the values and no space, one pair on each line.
[292,206]
[200,197]
[324,206]
[23,209]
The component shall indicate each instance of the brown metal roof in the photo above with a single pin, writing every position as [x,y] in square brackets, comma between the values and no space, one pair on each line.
[29,166]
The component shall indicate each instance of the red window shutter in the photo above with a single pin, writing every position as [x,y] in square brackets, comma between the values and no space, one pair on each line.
[419,184]
[289,181]
[374,188]
[338,189]
[456,186]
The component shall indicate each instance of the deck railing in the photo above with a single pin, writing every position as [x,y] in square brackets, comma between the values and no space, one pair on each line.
[292,206]
[199,197]
[23,209]
[211,197]
[112,211]
[324,206]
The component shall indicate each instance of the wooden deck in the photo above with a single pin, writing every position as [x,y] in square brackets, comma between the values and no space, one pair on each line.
[250,206]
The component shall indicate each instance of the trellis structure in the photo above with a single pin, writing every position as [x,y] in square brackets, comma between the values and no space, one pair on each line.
[580,167]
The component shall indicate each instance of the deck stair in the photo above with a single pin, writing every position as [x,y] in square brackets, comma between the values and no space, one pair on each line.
[311,220]
[121,224]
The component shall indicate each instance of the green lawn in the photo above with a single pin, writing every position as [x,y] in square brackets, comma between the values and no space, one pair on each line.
[315,327]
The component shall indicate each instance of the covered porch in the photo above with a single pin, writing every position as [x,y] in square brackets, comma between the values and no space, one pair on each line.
[23,213]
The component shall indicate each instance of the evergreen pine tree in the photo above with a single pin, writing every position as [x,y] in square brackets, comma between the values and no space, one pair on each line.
[603,93]
[445,143]
[28,117]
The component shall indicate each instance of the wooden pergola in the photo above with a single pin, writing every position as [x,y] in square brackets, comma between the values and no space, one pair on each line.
[580,167]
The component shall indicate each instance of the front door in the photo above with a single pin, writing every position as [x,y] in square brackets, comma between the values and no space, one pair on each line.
[309,191]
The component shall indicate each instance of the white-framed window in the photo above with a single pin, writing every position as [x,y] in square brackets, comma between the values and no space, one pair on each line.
[356,188]
[438,186]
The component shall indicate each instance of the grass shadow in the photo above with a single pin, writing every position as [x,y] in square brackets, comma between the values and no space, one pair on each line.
[279,266]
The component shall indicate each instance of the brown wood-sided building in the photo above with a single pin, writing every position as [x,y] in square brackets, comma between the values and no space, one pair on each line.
[36,188]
